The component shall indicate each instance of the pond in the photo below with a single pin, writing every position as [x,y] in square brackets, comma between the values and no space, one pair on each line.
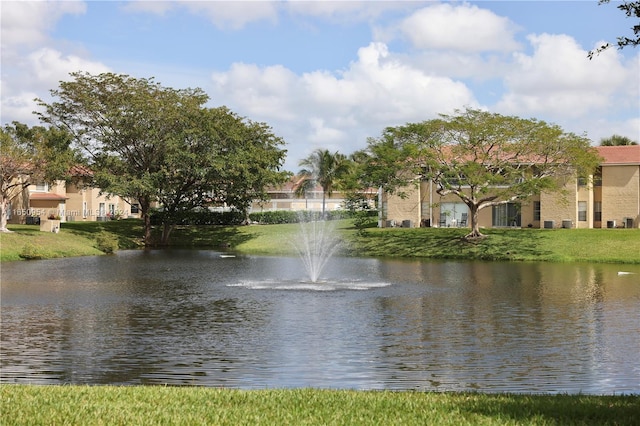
[209,318]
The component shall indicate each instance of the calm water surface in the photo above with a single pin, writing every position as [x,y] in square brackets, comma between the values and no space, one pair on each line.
[202,318]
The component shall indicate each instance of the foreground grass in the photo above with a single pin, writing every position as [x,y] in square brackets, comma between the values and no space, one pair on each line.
[101,405]
[559,245]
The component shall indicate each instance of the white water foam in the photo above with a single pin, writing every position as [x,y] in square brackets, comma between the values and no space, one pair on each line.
[309,285]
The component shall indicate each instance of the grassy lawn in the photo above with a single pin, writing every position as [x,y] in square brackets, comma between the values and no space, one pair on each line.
[558,245]
[135,405]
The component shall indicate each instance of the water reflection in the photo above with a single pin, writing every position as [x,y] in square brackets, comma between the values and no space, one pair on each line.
[187,317]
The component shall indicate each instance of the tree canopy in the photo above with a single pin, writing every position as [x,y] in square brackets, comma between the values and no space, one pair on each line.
[617,140]
[484,159]
[151,143]
[31,155]
[324,168]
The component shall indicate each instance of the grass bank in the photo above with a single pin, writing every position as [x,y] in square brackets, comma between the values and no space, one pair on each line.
[558,245]
[134,405]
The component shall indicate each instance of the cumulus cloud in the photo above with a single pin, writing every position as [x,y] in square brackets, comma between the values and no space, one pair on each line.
[464,28]
[339,110]
[40,71]
[27,23]
[558,79]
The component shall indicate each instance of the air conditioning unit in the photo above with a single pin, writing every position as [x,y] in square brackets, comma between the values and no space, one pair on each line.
[549,224]
[611,224]
[406,223]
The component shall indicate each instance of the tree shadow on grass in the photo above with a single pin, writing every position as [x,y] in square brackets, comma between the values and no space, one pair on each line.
[449,243]
[208,236]
[559,409]
[129,232]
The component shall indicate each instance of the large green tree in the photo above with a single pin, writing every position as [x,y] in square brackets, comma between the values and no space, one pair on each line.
[128,127]
[484,159]
[324,168]
[31,155]
[150,143]
[224,160]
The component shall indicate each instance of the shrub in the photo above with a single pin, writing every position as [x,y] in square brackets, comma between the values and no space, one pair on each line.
[199,217]
[31,252]
[106,242]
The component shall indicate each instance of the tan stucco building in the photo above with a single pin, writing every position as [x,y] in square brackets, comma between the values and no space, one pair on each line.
[68,202]
[608,199]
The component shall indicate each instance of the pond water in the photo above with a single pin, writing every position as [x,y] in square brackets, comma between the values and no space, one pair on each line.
[212,319]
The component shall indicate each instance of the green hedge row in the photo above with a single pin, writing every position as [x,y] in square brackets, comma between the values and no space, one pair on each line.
[268,218]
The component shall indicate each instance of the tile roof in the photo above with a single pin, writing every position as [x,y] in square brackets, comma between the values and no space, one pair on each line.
[624,154]
[46,196]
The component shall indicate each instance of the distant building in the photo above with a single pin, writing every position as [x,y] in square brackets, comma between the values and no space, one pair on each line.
[608,199]
[284,197]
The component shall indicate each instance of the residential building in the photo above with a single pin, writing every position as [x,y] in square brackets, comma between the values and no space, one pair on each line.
[69,202]
[608,199]
[284,197]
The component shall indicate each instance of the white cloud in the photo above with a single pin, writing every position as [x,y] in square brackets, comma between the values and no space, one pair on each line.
[49,66]
[558,79]
[338,111]
[27,23]
[462,28]
[39,72]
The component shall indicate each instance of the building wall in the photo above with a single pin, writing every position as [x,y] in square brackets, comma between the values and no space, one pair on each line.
[620,194]
[81,204]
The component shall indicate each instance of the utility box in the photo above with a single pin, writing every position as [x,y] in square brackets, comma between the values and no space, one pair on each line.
[50,225]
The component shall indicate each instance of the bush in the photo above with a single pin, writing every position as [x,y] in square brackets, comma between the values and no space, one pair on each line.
[106,242]
[31,252]
[288,216]
[199,217]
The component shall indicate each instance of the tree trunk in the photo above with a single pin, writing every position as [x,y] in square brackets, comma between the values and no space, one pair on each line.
[3,215]
[166,233]
[475,227]
[145,206]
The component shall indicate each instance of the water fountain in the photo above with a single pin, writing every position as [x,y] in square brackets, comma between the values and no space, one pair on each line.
[316,243]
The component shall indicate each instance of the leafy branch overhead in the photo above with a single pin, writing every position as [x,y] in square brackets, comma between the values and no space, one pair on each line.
[632,10]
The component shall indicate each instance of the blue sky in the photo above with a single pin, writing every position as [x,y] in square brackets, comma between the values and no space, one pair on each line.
[329,74]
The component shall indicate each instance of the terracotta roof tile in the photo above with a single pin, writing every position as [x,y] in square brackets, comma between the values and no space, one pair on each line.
[625,154]
[46,196]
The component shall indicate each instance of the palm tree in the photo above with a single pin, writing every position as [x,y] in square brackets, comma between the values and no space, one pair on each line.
[324,168]
[617,140]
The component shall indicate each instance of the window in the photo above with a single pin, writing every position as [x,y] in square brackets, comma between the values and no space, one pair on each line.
[597,211]
[84,209]
[112,209]
[582,211]
[582,181]
[453,214]
[101,210]
[41,187]
[597,177]
[135,208]
[536,210]
[506,215]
